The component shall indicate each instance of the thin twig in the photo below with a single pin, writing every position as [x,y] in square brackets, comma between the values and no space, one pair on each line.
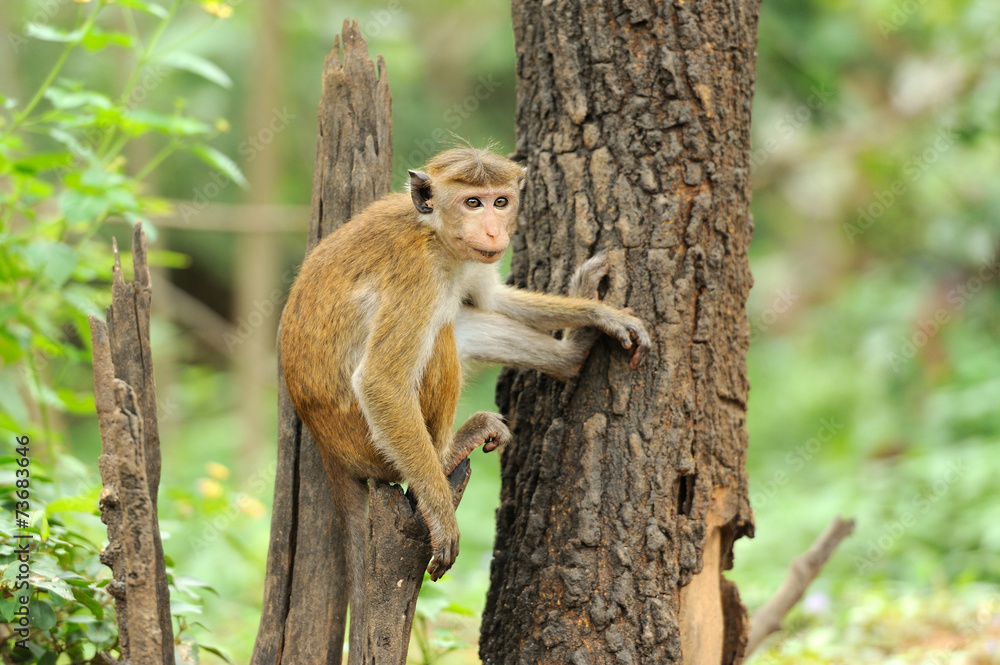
[802,571]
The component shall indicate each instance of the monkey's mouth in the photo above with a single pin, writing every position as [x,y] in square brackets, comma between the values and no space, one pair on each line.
[488,254]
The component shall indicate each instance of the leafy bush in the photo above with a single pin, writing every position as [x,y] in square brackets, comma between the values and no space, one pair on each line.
[64,174]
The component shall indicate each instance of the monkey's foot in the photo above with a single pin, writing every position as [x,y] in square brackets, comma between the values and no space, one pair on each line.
[481,429]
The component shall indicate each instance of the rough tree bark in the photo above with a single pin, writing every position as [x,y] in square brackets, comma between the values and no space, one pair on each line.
[125,398]
[305,594]
[624,491]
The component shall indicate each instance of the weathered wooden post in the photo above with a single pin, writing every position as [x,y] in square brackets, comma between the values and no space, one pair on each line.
[125,397]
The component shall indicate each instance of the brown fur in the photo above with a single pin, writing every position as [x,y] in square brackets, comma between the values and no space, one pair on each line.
[375,326]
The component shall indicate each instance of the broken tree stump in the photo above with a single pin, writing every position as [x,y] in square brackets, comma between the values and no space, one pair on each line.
[125,398]
[397,552]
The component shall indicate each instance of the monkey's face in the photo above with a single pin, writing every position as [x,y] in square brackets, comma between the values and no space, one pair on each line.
[481,222]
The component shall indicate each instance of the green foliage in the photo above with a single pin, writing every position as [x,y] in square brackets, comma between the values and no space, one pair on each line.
[64,173]
[70,611]
[873,319]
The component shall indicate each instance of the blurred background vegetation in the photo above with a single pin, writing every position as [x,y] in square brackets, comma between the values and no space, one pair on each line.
[874,361]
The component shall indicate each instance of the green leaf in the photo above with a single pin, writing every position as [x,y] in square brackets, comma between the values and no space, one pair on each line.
[139,121]
[181,608]
[80,206]
[215,651]
[196,64]
[10,350]
[147,7]
[54,260]
[82,503]
[70,141]
[10,399]
[47,33]
[43,161]
[7,607]
[78,299]
[54,585]
[164,258]
[41,615]
[461,610]
[221,163]
[98,39]
[86,598]
[69,99]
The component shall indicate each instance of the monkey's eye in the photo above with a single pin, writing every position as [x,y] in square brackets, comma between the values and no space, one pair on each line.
[473,202]
[501,202]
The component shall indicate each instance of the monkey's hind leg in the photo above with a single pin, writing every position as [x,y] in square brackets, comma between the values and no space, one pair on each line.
[481,429]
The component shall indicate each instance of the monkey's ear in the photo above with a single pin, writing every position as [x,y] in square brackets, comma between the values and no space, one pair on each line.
[522,178]
[420,191]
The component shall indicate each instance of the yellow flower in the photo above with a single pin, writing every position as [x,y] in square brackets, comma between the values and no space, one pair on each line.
[218,9]
[252,507]
[209,488]
[217,471]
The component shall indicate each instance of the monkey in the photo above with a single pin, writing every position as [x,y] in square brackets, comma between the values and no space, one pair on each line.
[383,314]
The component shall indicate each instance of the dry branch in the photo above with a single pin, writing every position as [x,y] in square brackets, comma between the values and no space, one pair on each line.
[125,399]
[396,555]
[802,571]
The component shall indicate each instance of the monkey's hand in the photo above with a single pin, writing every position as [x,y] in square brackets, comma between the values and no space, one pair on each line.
[630,331]
[481,429]
[444,544]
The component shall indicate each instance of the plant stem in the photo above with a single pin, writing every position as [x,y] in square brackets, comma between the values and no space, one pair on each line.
[156,160]
[54,72]
[129,86]
[148,50]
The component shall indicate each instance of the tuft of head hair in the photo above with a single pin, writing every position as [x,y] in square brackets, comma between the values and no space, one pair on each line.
[472,166]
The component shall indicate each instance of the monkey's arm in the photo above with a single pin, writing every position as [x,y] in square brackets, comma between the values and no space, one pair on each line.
[386,384]
[494,338]
[548,312]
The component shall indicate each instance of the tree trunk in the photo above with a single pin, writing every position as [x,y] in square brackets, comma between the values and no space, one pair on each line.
[623,491]
[305,591]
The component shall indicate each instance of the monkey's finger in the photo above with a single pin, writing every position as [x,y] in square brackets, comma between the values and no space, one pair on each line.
[636,357]
[642,345]
[497,440]
[444,557]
